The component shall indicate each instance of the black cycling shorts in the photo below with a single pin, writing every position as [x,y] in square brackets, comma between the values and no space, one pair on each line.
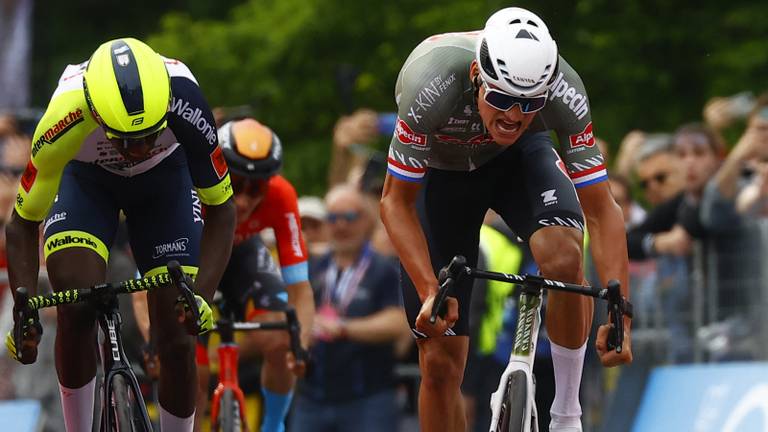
[162,210]
[251,285]
[527,185]
[252,281]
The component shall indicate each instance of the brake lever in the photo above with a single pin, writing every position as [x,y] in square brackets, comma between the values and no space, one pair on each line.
[294,331]
[447,277]
[618,307]
[438,307]
[615,334]
[182,285]
[20,313]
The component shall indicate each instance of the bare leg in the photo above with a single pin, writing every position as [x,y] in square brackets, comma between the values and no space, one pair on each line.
[442,361]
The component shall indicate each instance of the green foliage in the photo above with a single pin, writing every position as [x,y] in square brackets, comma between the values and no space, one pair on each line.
[647,64]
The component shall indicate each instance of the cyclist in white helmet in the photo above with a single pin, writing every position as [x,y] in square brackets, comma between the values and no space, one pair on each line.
[475,110]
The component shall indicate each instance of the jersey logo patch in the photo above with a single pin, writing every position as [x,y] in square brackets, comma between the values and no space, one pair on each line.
[28,178]
[584,138]
[407,136]
[218,162]
[564,91]
[548,197]
[57,130]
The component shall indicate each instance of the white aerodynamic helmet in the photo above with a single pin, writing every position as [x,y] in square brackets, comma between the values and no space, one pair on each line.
[516,53]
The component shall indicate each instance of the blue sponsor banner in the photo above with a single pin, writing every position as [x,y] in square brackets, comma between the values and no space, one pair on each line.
[728,397]
[20,415]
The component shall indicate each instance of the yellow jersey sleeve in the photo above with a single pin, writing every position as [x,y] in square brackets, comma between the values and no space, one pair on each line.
[57,140]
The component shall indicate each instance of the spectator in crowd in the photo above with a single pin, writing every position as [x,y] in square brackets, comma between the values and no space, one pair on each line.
[722,112]
[674,222]
[350,384]
[656,169]
[313,225]
[621,190]
[752,199]
[626,158]
[353,136]
[738,242]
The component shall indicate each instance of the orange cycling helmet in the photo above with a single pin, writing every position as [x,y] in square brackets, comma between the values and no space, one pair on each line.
[251,149]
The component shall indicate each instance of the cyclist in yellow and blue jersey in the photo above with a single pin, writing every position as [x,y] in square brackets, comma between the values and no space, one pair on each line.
[128,130]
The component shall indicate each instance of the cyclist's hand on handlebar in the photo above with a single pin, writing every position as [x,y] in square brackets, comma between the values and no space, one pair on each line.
[443,323]
[610,358]
[186,317]
[25,350]
[151,362]
[298,368]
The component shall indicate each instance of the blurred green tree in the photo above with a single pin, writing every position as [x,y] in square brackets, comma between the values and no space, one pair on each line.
[647,64]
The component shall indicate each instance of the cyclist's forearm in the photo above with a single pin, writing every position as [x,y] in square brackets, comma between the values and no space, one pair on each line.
[384,326]
[300,296]
[141,313]
[405,232]
[608,244]
[215,247]
[22,247]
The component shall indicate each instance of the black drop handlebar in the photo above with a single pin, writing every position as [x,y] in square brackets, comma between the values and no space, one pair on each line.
[25,306]
[618,306]
[227,327]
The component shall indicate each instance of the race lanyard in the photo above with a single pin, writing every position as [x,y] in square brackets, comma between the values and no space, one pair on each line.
[340,291]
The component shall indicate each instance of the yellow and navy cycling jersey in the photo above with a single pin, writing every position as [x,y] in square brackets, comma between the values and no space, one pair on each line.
[68,131]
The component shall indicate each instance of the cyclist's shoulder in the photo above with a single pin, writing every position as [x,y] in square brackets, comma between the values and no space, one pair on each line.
[568,101]
[185,90]
[66,121]
[434,80]
[280,192]
[436,62]
[457,43]
[177,69]
[69,92]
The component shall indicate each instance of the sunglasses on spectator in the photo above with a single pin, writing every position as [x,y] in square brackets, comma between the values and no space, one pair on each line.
[250,187]
[659,178]
[505,101]
[348,217]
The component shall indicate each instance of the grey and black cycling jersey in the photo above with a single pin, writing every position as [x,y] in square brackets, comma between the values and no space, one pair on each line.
[439,124]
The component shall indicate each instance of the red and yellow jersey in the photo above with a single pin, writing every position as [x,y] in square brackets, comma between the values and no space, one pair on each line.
[279,210]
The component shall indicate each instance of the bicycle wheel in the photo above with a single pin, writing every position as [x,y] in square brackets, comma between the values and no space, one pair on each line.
[126,412]
[122,416]
[513,416]
[229,413]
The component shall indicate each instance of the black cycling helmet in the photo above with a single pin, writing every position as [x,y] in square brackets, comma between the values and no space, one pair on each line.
[251,149]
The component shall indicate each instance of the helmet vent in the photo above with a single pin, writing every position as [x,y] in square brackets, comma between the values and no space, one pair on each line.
[533,23]
[515,21]
[485,61]
[127,76]
[525,34]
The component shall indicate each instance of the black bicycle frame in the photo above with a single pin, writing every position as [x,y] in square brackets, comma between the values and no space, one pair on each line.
[115,363]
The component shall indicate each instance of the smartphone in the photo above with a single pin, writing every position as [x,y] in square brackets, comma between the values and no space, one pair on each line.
[741,104]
